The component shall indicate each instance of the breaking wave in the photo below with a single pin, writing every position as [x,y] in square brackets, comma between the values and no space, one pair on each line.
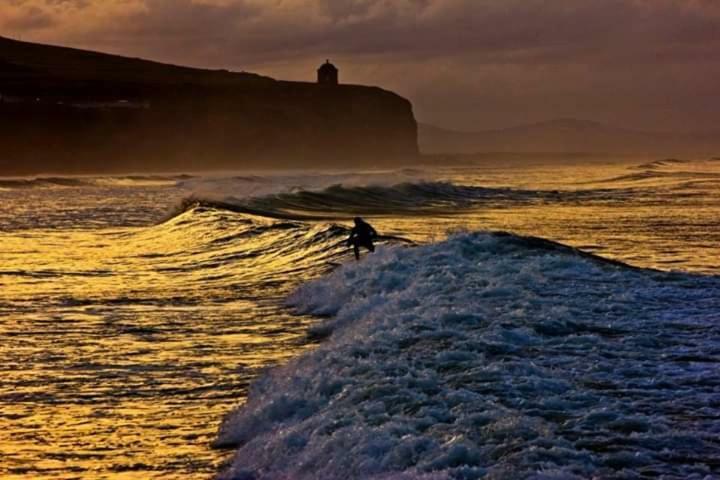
[491,356]
[341,201]
[421,198]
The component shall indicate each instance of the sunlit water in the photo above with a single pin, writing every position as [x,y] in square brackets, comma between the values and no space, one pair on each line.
[131,326]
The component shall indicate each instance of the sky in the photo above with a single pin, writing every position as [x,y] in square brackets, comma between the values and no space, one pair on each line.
[465,64]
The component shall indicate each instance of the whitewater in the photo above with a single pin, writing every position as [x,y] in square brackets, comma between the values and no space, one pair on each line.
[537,322]
[492,356]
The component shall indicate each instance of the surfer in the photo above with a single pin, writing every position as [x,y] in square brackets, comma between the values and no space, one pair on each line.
[362,235]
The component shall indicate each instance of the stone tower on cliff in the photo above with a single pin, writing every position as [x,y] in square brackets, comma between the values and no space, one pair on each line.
[327,74]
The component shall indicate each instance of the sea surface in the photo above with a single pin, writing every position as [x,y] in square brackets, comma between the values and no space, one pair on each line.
[137,313]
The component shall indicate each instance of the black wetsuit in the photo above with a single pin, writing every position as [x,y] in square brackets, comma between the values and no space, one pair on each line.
[362,235]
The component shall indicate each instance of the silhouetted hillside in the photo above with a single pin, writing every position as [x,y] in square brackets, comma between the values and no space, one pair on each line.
[567,136]
[69,110]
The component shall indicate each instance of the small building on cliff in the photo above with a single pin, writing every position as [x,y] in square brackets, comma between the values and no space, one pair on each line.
[328,74]
[94,105]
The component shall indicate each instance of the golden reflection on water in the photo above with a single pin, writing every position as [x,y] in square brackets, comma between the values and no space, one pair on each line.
[669,219]
[123,358]
[122,348]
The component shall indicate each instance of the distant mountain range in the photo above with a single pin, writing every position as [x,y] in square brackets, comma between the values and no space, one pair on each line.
[567,135]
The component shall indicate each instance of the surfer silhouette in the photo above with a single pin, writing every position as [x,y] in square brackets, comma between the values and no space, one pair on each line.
[362,235]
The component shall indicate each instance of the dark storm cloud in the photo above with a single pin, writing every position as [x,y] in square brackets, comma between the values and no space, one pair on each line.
[494,30]
[618,59]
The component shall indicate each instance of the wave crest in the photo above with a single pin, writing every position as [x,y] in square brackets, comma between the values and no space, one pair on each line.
[339,201]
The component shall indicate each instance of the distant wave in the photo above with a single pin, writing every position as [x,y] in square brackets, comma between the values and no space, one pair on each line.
[340,201]
[255,185]
[18,183]
[659,164]
[67,182]
[658,175]
[491,356]
[422,198]
[142,180]
[669,170]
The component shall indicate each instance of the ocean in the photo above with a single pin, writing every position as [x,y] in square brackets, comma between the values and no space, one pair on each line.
[542,321]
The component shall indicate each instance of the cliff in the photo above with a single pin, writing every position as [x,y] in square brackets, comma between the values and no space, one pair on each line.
[74,111]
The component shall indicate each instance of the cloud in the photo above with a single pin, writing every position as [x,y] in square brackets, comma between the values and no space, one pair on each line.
[499,51]
[28,19]
[497,31]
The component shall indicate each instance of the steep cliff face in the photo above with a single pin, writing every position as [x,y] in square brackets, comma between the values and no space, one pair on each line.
[66,110]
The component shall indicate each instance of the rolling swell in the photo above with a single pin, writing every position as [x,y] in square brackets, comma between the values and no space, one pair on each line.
[201,257]
[24,183]
[423,198]
[221,254]
[87,181]
[340,201]
[254,248]
[653,174]
[492,356]
[668,171]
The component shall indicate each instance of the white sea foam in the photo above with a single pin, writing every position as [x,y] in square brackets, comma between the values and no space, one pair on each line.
[225,186]
[492,356]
